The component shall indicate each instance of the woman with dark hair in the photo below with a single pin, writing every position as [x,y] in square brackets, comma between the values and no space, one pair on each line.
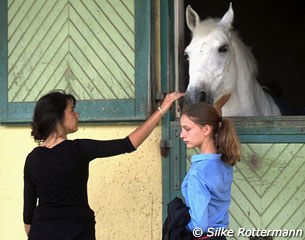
[56,172]
[207,186]
[48,113]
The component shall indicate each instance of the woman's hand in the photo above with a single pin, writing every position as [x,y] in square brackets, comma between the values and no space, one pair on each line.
[169,99]
[143,131]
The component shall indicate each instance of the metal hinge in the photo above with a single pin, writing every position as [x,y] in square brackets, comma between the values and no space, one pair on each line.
[165,145]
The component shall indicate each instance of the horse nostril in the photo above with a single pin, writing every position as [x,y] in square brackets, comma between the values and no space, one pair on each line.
[206,97]
[194,97]
[202,97]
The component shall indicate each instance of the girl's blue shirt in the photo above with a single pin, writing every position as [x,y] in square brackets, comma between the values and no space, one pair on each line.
[207,191]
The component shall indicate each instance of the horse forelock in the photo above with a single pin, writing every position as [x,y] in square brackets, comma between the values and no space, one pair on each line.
[205,27]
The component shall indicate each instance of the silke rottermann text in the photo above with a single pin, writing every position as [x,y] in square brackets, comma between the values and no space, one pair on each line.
[255,232]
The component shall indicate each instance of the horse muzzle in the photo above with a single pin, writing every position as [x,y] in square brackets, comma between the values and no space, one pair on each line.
[192,96]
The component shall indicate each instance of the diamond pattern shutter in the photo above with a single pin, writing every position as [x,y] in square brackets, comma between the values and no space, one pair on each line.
[87,48]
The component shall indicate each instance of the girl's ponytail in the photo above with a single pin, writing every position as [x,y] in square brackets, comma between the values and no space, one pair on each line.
[227,142]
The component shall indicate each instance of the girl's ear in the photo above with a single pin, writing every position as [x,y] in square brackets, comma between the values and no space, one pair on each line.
[207,130]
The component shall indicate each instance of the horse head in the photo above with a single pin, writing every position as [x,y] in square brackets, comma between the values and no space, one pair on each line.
[222,69]
[211,58]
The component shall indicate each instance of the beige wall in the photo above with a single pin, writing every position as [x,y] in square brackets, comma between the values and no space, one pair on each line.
[124,191]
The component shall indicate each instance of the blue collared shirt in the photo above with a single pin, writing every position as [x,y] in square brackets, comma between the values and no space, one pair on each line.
[207,191]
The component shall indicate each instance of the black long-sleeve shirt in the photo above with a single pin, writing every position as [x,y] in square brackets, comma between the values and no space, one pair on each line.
[57,177]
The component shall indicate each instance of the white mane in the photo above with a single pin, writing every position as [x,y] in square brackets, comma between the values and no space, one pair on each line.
[246,53]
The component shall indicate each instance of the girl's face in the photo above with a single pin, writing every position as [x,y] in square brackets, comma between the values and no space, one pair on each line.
[70,123]
[192,133]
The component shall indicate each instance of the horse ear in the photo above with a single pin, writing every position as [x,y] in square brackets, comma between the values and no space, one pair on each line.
[227,19]
[192,18]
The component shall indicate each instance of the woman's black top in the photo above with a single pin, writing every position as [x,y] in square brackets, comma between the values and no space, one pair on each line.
[57,177]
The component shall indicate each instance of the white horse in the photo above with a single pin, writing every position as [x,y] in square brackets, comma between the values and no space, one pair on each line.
[222,67]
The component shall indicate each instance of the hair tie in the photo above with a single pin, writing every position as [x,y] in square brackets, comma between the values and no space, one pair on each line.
[219,122]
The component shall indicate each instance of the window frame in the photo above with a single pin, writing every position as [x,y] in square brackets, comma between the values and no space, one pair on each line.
[133,109]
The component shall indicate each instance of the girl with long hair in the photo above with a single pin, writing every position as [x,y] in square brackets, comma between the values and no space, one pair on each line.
[207,186]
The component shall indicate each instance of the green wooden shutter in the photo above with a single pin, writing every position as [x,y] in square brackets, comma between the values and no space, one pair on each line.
[96,50]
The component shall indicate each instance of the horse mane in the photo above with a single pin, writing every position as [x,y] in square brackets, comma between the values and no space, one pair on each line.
[245,52]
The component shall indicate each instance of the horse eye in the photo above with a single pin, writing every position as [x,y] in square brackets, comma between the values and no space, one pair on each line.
[223,49]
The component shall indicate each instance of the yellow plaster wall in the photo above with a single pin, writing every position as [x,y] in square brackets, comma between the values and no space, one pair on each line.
[124,191]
